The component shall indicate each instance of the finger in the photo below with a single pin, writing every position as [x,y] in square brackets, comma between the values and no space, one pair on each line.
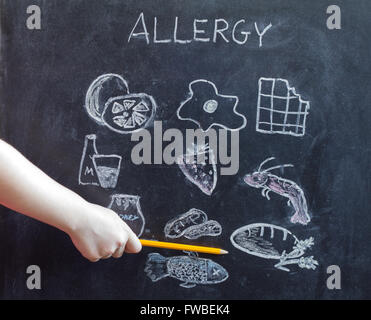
[107,257]
[133,244]
[93,259]
[119,252]
[130,250]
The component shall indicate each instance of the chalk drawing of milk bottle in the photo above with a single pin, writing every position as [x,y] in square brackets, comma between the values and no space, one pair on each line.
[128,209]
[88,174]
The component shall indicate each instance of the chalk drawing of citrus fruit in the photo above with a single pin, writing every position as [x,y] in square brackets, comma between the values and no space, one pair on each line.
[101,89]
[129,113]
[109,103]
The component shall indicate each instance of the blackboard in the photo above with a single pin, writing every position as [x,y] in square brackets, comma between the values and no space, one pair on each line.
[45,76]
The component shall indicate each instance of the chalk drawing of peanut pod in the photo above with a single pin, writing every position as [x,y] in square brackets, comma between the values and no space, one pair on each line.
[176,227]
[128,209]
[192,225]
[273,242]
[209,228]
[129,113]
[191,270]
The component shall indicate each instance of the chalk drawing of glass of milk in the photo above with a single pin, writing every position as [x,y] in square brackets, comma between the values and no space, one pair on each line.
[128,209]
[107,168]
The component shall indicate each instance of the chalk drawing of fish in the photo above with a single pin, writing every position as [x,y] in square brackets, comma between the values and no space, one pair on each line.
[191,270]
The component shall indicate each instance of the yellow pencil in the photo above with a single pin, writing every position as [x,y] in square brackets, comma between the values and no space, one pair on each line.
[179,246]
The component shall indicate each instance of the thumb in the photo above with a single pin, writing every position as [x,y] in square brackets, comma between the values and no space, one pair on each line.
[133,244]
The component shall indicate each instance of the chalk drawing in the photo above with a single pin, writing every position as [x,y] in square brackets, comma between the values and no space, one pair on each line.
[206,107]
[176,227]
[268,182]
[191,270]
[101,89]
[204,174]
[109,103]
[128,209]
[280,109]
[129,113]
[192,225]
[209,228]
[97,169]
[87,172]
[273,242]
[108,169]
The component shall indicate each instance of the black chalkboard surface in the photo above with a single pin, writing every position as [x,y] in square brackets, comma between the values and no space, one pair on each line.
[75,92]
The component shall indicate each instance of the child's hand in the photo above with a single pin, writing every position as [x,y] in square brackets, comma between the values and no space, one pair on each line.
[99,234]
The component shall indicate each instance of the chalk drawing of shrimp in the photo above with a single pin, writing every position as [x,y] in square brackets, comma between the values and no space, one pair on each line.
[284,187]
[273,242]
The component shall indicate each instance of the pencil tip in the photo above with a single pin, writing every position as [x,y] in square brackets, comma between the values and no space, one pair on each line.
[223,251]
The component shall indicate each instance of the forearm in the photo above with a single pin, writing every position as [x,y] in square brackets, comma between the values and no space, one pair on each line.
[26,189]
